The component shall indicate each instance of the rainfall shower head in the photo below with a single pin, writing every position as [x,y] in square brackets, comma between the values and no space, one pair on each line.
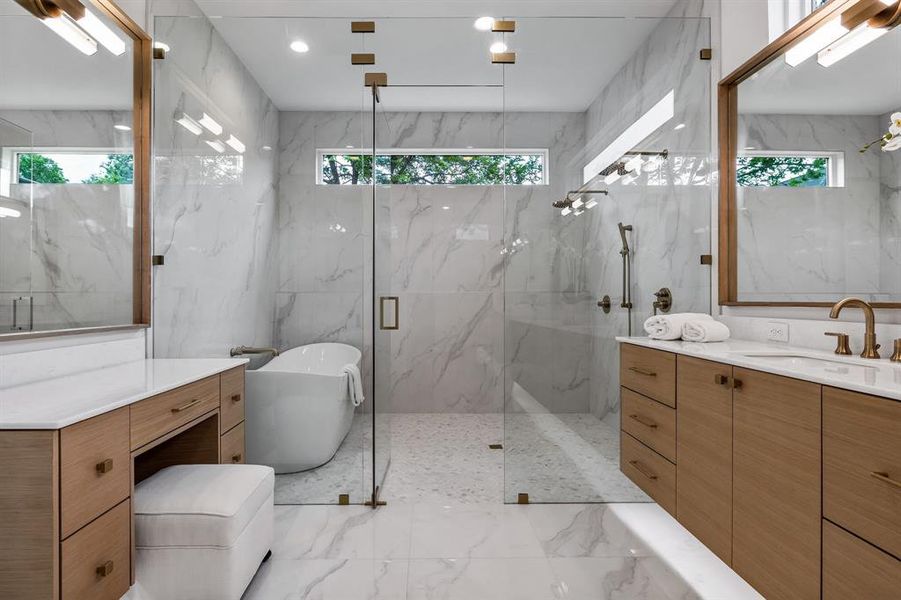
[569,200]
[622,234]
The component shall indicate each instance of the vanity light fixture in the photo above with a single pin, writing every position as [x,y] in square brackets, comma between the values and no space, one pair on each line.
[822,37]
[122,127]
[484,23]
[103,34]
[210,124]
[854,41]
[236,144]
[190,124]
[216,145]
[65,27]
[498,47]
[300,46]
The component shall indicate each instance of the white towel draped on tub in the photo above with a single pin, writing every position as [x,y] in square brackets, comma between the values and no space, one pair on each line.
[354,384]
[669,327]
[705,330]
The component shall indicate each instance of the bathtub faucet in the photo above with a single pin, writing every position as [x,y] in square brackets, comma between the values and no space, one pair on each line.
[242,350]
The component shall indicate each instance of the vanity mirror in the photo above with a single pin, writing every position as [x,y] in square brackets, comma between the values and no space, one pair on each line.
[810,197]
[74,168]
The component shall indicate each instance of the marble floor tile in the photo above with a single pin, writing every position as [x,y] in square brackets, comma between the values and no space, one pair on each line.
[473,531]
[583,530]
[621,578]
[329,579]
[481,579]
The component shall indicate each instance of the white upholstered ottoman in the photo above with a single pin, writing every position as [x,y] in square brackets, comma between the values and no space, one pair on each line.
[201,531]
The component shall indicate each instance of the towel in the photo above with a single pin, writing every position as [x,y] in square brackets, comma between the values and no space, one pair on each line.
[704,330]
[669,327]
[354,384]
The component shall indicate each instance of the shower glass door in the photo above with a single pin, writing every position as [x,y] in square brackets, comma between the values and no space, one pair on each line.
[563,247]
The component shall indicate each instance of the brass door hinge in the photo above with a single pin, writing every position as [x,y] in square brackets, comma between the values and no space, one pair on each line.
[496,446]
[706,259]
[157,260]
[362,27]
[522,498]
[503,58]
[159,54]
[504,27]
[343,499]
[362,58]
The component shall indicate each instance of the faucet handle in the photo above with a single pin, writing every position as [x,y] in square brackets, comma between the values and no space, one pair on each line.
[896,356]
[842,347]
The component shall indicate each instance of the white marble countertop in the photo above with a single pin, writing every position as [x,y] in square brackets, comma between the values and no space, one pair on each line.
[61,401]
[877,377]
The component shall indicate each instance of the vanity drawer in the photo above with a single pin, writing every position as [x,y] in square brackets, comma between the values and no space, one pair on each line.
[232,393]
[649,372]
[862,466]
[650,422]
[650,471]
[853,568]
[94,468]
[95,561]
[231,446]
[161,414]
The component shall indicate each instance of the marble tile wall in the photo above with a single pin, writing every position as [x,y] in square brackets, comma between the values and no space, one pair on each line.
[214,213]
[890,219]
[668,208]
[446,253]
[817,242]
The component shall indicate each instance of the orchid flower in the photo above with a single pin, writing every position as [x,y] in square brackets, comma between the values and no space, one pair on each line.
[891,141]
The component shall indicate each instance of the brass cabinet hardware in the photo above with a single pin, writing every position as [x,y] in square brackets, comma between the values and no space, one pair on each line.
[884,477]
[159,54]
[642,469]
[644,421]
[105,569]
[503,58]
[105,466]
[501,26]
[495,446]
[362,58]
[721,379]
[843,347]
[737,384]
[896,355]
[870,347]
[236,398]
[185,407]
[604,304]
[236,458]
[362,27]
[644,372]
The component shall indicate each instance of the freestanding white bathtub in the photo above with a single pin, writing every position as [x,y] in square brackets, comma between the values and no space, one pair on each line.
[298,407]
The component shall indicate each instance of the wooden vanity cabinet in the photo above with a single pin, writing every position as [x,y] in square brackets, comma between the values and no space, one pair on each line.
[704,448]
[776,490]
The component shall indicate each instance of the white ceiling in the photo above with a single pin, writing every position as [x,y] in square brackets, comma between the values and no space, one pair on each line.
[41,71]
[562,63]
[868,82]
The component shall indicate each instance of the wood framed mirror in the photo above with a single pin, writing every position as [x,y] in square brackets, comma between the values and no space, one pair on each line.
[810,188]
[75,152]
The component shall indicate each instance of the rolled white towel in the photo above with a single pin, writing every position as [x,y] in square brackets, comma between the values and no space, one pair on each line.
[669,327]
[705,330]
[354,384]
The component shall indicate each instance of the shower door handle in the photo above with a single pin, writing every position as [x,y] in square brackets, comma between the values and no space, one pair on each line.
[383,300]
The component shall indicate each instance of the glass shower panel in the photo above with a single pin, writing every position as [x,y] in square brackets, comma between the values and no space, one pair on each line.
[16,237]
[564,251]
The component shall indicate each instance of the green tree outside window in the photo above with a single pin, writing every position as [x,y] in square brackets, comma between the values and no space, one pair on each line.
[433,169]
[118,169]
[36,168]
[782,171]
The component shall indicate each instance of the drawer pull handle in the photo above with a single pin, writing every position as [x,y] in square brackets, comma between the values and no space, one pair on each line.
[736,384]
[884,477]
[642,469]
[643,421]
[721,379]
[105,466]
[105,569]
[236,458]
[236,398]
[185,406]
[641,371]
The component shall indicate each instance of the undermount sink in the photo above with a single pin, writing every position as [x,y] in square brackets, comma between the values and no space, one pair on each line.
[801,361]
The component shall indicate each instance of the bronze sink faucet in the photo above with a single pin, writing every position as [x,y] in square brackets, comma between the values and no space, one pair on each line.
[870,347]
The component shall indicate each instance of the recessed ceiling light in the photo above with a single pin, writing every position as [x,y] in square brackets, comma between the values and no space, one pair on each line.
[300,46]
[484,23]
[162,46]
[122,127]
[445,208]
[679,126]
[266,148]
[498,47]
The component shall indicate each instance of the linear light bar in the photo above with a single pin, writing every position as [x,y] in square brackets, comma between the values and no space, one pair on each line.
[236,144]
[190,124]
[210,124]
[103,34]
[216,145]
[65,27]
[646,124]
[822,37]
[854,41]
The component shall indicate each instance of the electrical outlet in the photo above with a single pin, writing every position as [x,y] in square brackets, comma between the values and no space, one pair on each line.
[777,331]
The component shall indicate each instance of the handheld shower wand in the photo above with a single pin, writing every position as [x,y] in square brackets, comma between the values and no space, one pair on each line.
[627,272]
[622,234]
